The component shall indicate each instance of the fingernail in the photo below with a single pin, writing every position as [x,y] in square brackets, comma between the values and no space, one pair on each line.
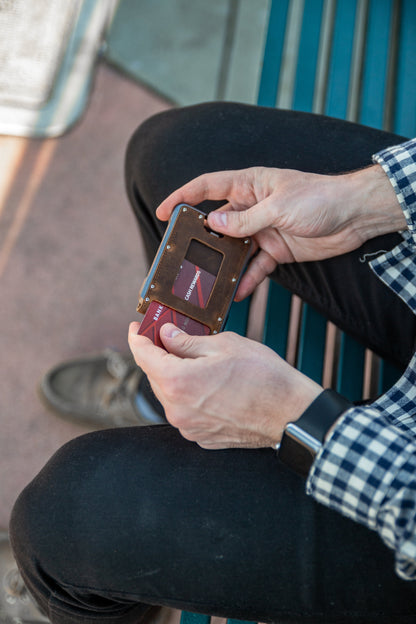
[170,331]
[219,218]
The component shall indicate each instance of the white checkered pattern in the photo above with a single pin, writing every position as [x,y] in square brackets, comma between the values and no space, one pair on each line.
[366,469]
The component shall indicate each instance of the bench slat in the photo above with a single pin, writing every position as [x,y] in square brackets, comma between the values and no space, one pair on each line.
[276,322]
[350,373]
[312,344]
[273,53]
[376,64]
[238,317]
[194,618]
[341,55]
[308,56]
[405,109]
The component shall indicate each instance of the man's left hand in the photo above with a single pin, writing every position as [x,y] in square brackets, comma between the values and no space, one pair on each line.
[223,391]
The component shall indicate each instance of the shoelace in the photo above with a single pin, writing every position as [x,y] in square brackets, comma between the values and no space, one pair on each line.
[124,369]
[14,585]
[121,368]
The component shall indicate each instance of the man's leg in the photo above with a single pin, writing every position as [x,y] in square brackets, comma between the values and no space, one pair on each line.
[176,146]
[120,519]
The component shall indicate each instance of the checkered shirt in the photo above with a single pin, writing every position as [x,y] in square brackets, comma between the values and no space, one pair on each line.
[366,469]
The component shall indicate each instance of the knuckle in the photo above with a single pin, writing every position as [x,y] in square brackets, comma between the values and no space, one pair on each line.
[230,339]
[242,222]
[244,179]
[187,342]
[266,263]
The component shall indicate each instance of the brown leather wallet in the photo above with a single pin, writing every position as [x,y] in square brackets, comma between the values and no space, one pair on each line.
[223,258]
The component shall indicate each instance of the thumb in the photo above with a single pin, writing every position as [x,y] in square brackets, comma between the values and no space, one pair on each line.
[240,223]
[181,344]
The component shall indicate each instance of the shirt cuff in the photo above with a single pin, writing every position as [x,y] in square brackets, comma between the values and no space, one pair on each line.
[399,163]
[365,471]
[394,267]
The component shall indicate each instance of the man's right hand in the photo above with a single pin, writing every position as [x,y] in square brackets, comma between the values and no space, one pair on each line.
[294,216]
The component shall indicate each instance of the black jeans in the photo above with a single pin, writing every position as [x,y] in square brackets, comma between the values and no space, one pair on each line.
[121,519]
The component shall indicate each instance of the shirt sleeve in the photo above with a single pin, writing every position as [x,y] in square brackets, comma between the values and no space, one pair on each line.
[397,268]
[366,469]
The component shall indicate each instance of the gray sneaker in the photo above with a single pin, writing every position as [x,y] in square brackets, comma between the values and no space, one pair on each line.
[16,604]
[106,389]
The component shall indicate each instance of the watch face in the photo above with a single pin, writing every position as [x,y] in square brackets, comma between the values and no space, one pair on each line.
[298,449]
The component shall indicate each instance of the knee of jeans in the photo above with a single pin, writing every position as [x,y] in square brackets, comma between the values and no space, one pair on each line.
[170,138]
[42,516]
[69,507]
[164,129]
[146,145]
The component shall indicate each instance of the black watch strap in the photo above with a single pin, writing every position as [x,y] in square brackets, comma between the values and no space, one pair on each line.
[303,438]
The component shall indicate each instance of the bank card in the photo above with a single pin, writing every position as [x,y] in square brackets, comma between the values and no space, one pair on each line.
[158,314]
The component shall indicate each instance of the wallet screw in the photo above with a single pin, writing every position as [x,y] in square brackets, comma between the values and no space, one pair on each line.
[201,216]
[152,285]
[184,209]
[234,279]
[246,242]
[167,246]
[147,299]
[219,319]
[215,331]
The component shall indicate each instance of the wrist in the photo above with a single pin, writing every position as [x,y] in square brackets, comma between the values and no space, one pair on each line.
[300,392]
[303,439]
[374,204]
[304,395]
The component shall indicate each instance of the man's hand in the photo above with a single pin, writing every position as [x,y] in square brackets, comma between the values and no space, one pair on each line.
[223,391]
[292,215]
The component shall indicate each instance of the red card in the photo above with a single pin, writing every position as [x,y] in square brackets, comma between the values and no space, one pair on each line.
[158,314]
[193,284]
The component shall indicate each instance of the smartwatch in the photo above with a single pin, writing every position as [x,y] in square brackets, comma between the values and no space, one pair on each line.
[302,439]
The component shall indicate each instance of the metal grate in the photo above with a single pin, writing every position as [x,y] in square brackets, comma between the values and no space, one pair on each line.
[48,52]
[33,40]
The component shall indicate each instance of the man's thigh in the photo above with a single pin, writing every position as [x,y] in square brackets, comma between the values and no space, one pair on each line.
[177,145]
[140,515]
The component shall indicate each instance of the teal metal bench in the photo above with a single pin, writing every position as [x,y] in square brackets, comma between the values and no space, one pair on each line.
[350,59]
